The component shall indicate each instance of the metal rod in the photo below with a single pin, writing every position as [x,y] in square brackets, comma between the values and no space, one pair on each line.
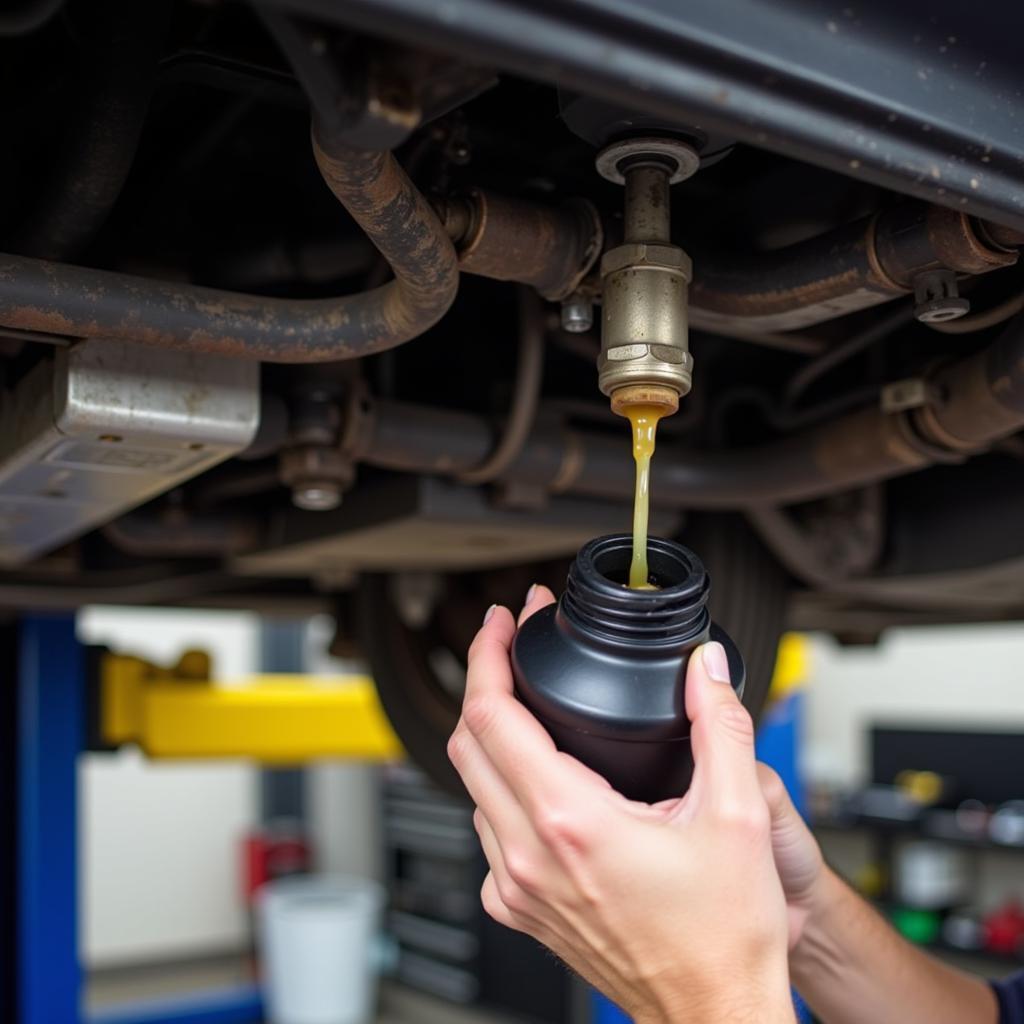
[647,215]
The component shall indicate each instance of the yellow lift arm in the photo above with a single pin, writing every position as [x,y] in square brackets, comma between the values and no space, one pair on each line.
[179,712]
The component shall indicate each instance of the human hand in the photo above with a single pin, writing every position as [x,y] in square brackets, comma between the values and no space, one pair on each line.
[674,910]
[798,858]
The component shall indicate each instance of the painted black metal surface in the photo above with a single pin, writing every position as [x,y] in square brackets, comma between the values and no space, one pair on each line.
[922,98]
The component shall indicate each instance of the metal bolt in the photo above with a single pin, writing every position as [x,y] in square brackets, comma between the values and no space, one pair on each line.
[577,314]
[937,297]
[317,476]
[322,496]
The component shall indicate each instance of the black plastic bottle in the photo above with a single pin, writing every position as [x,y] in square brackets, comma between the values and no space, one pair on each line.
[604,668]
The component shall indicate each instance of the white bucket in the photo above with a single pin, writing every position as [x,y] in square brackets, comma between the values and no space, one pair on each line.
[316,935]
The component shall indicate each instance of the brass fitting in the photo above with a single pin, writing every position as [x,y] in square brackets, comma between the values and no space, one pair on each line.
[644,326]
[645,333]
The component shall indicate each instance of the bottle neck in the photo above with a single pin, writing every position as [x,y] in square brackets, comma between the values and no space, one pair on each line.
[597,601]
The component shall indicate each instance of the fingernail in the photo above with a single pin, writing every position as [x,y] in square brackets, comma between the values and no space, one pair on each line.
[716,664]
[530,593]
[489,614]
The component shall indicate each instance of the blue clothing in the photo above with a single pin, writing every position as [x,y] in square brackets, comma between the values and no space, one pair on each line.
[1010,993]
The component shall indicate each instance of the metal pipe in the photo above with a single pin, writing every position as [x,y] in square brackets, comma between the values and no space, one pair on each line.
[854,267]
[550,248]
[981,398]
[86,303]
[526,395]
[179,535]
[983,319]
[647,213]
[983,401]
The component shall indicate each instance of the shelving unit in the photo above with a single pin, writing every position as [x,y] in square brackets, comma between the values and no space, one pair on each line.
[936,826]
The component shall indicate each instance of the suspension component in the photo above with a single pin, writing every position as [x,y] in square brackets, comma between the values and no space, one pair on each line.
[644,334]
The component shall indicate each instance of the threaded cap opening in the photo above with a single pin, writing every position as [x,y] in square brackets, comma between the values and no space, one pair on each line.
[597,599]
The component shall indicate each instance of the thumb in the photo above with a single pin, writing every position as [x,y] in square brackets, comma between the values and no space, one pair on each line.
[721,730]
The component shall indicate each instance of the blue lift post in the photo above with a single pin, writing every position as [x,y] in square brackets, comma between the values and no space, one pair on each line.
[50,682]
[42,984]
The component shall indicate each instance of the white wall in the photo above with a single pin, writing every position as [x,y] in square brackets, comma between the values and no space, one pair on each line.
[971,676]
[342,799]
[160,841]
[945,676]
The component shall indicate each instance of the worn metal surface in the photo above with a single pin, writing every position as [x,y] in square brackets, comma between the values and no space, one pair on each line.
[981,399]
[550,248]
[856,266]
[80,302]
[105,427]
[644,326]
[920,97]
[984,401]
[912,238]
[648,213]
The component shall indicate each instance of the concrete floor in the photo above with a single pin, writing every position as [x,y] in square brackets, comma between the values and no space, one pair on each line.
[110,989]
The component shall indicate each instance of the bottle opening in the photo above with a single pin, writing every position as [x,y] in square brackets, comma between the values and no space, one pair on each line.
[669,564]
[597,600]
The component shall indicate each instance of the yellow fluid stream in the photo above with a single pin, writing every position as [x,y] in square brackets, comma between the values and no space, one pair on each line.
[644,421]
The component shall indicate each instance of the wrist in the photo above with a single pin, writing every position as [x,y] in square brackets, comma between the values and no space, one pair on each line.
[749,993]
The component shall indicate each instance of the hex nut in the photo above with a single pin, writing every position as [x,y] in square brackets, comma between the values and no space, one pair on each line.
[647,254]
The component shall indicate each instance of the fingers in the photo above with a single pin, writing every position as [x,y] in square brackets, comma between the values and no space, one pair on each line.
[493,905]
[509,871]
[721,732]
[775,794]
[484,783]
[537,597]
[515,743]
[788,828]
[488,653]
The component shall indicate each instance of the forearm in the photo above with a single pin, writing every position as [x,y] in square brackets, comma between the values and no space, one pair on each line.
[851,966]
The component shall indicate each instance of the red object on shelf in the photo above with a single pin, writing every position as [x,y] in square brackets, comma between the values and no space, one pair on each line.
[1004,929]
[272,853]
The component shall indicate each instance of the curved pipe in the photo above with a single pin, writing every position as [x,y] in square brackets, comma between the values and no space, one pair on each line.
[85,303]
[526,396]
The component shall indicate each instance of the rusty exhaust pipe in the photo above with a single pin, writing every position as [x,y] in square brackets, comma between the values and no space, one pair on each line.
[79,302]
